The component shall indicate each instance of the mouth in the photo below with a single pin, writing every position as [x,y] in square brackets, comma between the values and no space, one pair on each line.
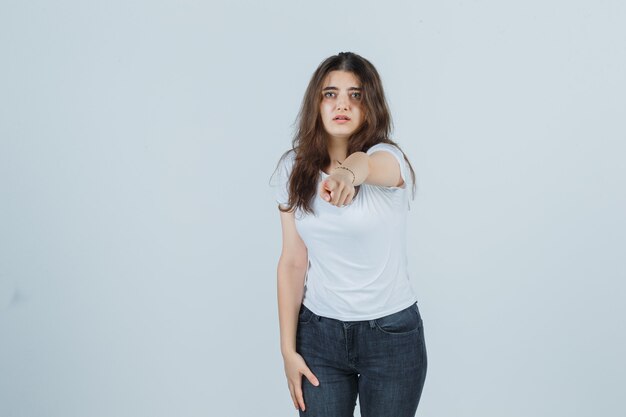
[341,118]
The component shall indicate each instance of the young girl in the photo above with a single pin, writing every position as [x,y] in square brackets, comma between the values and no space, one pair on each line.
[349,320]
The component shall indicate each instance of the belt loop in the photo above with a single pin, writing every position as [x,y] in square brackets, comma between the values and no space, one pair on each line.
[372,324]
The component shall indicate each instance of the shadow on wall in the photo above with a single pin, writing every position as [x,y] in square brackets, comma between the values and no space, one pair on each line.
[10,295]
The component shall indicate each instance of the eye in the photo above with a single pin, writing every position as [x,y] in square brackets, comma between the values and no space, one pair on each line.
[329,94]
[356,95]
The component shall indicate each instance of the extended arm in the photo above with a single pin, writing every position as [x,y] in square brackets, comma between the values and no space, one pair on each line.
[379,168]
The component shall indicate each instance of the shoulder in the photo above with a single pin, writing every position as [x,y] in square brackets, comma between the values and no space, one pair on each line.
[283,169]
[287,159]
[285,163]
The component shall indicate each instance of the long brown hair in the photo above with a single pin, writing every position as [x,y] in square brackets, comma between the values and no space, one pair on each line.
[310,139]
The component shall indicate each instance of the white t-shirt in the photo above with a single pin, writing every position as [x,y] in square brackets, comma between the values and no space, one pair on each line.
[357,253]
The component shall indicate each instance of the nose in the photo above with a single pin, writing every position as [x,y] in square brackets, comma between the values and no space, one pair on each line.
[342,102]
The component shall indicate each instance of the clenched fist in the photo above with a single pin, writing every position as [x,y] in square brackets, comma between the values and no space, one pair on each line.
[337,189]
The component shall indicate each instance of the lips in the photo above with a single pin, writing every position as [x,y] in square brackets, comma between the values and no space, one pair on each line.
[341,117]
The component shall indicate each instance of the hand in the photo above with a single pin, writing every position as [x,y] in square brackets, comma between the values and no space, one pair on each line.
[295,367]
[337,189]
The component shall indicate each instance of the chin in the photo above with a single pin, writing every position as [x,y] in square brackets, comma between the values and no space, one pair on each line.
[339,135]
[341,132]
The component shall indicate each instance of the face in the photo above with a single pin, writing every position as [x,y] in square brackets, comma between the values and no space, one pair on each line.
[341,108]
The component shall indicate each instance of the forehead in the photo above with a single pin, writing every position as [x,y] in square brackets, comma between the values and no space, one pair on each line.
[341,79]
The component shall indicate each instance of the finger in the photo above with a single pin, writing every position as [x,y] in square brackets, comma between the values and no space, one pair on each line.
[311,377]
[293,396]
[300,398]
[326,190]
[335,194]
[339,200]
[324,195]
[344,196]
[349,198]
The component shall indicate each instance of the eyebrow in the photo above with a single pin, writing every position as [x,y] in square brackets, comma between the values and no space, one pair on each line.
[349,89]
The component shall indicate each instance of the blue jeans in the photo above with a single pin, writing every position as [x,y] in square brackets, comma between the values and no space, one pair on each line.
[383,361]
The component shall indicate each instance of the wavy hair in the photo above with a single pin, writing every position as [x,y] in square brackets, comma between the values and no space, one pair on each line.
[310,139]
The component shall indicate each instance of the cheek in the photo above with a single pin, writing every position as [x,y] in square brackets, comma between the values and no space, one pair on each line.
[326,108]
[326,111]
[361,116]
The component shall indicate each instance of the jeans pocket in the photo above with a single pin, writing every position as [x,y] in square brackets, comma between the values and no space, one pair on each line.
[405,321]
[304,315]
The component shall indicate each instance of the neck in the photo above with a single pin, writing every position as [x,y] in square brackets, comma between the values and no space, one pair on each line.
[337,149]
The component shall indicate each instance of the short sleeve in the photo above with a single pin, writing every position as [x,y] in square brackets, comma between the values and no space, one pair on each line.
[397,153]
[280,179]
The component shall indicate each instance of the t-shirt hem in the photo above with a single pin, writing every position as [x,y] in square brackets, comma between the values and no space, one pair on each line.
[361,318]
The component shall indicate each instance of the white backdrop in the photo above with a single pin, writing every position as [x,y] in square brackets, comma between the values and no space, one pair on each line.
[139,237]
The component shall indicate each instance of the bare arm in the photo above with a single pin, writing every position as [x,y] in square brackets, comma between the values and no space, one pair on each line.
[292,267]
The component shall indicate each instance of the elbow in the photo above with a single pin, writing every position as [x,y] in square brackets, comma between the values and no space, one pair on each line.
[293,264]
